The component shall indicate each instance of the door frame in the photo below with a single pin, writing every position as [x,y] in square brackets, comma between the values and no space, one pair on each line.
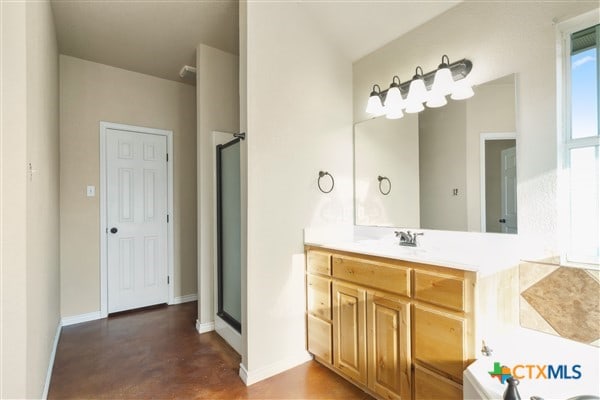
[223,329]
[104,125]
[237,325]
[484,137]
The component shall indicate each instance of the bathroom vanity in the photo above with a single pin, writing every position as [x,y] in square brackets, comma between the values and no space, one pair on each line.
[396,326]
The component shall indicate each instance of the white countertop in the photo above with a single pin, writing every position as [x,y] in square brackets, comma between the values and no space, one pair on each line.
[469,251]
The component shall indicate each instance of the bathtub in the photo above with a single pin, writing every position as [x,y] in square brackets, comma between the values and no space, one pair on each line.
[548,366]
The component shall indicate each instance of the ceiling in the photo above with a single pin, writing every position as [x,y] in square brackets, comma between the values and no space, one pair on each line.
[152,37]
[159,37]
[359,27]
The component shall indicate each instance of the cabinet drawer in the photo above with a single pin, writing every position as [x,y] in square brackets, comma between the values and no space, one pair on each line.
[429,385]
[318,263]
[443,290]
[319,338]
[318,296]
[438,341]
[391,278]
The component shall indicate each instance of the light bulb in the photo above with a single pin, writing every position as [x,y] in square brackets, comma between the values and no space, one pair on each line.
[462,90]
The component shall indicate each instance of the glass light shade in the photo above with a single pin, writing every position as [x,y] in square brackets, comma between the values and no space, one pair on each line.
[393,112]
[462,90]
[394,99]
[417,91]
[374,106]
[414,107]
[443,83]
[436,100]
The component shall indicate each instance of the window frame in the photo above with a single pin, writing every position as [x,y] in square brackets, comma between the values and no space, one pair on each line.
[566,143]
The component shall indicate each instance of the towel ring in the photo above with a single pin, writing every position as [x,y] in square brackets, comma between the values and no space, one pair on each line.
[321,175]
[381,179]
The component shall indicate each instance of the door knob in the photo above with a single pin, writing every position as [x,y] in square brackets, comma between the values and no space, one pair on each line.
[113,230]
[502,220]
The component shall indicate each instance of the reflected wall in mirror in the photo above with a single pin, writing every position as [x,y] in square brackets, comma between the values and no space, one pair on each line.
[450,168]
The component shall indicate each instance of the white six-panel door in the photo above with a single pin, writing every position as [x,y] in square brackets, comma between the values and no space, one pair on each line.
[136,213]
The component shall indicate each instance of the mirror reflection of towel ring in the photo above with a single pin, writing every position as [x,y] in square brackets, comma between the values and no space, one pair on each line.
[381,179]
[321,175]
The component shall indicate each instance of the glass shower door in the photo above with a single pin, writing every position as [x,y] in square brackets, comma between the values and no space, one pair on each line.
[228,233]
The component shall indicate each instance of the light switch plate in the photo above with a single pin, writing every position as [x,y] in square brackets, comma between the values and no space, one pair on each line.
[91,191]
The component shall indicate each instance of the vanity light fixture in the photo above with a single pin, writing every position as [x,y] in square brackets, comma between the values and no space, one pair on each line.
[374,106]
[430,88]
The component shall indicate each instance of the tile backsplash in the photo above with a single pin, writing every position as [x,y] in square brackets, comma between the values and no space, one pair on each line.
[561,301]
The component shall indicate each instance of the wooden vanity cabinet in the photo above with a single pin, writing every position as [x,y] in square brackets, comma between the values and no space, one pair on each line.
[398,330]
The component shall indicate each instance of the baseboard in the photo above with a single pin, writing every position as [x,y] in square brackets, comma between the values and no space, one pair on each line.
[205,327]
[185,299]
[51,361]
[252,377]
[230,335]
[77,319]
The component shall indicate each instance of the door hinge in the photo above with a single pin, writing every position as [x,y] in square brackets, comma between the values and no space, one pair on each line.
[167,157]
[168,280]
[167,218]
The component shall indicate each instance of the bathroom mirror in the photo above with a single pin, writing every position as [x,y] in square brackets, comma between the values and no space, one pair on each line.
[448,168]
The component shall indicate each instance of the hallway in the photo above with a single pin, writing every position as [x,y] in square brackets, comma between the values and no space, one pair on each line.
[157,353]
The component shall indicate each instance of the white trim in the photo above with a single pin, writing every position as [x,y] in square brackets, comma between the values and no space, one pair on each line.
[185,299]
[205,327]
[252,377]
[485,136]
[77,319]
[103,226]
[230,335]
[51,361]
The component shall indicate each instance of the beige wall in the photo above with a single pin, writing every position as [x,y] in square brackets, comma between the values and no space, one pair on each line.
[492,109]
[43,285]
[29,214]
[299,121]
[389,148]
[500,38]
[13,205]
[90,93]
[218,109]
[442,167]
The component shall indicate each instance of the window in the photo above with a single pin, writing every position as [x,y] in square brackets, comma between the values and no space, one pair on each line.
[580,142]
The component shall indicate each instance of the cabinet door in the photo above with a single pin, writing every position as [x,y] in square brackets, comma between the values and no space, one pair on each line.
[429,386]
[388,330]
[319,338]
[349,336]
[438,341]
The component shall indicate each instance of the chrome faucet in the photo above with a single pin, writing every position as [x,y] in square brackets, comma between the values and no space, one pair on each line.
[407,238]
